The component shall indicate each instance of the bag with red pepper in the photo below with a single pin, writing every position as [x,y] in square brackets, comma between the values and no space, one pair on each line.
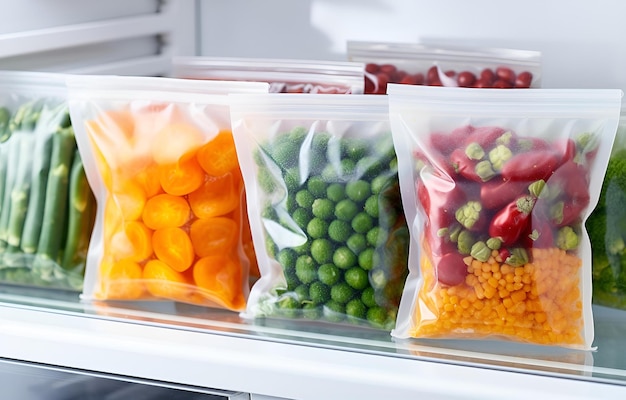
[283,75]
[496,186]
[444,65]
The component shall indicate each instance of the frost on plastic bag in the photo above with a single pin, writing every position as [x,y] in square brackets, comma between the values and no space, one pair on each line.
[607,229]
[497,186]
[445,65]
[47,208]
[283,75]
[162,160]
[327,219]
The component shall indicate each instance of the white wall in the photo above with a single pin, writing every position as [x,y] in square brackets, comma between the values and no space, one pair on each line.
[583,42]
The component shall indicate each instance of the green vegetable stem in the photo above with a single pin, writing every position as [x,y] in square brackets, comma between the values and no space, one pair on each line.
[81,216]
[55,207]
[34,215]
[5,117]
[20,191]
[12,161]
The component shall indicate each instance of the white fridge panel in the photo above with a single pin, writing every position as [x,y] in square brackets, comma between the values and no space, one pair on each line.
[583,42]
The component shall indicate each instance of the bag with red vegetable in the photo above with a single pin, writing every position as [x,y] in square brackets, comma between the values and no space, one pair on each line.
[496,186]
[445,65]
[283,75]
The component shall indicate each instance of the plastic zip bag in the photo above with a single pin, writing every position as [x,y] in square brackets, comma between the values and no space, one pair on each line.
[160,157]
[324,207]
[47,207]
[607,228]
[496,187]
[283,75]
[445,65]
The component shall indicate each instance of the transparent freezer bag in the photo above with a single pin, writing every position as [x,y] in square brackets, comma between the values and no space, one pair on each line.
[160,156]
[283,75]
[607,228]
[496,187]
[444,65]
[47,208]
[324,207]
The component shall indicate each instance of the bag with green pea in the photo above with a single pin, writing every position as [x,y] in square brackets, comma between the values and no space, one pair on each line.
[324,206]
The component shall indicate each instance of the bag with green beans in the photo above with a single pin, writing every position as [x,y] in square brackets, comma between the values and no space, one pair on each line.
[46,205]
[324,206]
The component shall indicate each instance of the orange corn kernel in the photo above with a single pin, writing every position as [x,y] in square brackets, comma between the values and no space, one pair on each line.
[181,178]
[173,246]
[220,278]
[212,236]
[166,211]
[120,280]
[217,196]
[176,142]
[219,155]
[164,282]
[133,242]
[539,302]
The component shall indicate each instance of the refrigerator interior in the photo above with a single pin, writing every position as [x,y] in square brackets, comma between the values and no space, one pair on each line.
[582,45]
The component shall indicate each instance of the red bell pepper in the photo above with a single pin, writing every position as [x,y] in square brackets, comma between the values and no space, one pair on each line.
[484,136]
[530,166]
[499,191]
[509,223]
[477,171]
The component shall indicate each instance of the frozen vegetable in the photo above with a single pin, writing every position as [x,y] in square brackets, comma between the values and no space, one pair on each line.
[163,163]
[283,75]
[444,65]
[516,266]
[607,231]
[329,226]
[43,237]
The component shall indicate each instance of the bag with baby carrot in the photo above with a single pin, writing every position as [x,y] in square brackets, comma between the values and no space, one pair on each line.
[496,187]
[160,157]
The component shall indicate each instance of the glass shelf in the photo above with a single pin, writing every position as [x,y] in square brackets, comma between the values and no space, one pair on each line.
[607,364]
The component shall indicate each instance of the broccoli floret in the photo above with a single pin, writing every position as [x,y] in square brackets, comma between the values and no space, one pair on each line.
[607,230]
[615,176]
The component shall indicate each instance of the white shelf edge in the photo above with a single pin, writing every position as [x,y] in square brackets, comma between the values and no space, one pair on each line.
[220,361]
[150,66]
[40,40]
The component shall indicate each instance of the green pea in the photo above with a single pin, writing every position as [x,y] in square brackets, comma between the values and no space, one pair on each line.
[317,228]
[346,209]
[304,198]
[357,278]
[322,250]
[339,231]
[358,190]
[323,208]
[344,258]
[306,269]
[336,192]
[361,223]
